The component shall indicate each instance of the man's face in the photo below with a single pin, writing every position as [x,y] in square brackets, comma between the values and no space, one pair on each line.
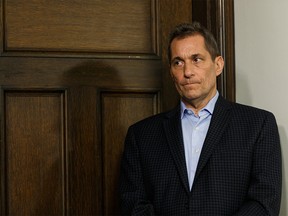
[193,71]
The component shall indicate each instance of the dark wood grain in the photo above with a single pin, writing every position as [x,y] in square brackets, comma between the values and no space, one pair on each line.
[90,26]
[119,110]
[35,152]
[218,16]
[73,76]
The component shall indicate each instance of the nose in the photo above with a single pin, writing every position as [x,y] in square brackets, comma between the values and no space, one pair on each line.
[188,70]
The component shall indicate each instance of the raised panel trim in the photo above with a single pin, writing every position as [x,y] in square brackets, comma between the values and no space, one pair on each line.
[4,93]
[16,52]
[120,109]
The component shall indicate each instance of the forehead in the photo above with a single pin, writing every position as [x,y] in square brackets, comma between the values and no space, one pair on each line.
[192,42]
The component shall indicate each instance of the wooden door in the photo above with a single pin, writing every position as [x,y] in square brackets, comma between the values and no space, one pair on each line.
[73,76]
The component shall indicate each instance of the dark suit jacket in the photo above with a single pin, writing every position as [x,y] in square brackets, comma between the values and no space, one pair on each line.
[238,173]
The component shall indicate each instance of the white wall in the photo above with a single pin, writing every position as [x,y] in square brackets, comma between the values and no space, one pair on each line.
[261,45]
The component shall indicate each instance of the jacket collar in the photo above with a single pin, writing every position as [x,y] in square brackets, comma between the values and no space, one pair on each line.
[173,131]
[219,122]
[172,127]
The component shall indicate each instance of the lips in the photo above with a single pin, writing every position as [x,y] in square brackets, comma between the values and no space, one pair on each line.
[190,83]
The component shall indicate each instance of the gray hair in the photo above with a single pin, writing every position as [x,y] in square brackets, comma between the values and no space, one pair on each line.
[189,29]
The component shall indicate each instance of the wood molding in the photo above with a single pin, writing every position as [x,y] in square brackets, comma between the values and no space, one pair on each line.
[86,31]
[218,16]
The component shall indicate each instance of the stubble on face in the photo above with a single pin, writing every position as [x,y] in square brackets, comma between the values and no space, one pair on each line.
[193,71]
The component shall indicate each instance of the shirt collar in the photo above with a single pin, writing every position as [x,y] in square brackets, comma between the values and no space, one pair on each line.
[209,107]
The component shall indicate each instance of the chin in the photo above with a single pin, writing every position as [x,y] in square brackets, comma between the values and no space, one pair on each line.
[190,97]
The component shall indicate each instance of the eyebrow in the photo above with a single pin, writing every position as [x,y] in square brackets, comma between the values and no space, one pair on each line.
[191,57]
[176,58]
[196,55]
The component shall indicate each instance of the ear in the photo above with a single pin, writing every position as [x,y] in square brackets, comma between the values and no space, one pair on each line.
[219,65]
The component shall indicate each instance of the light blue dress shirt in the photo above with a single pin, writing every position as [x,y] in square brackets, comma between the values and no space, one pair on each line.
[194,130]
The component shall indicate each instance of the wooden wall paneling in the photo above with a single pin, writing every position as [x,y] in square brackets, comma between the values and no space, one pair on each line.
[228,39]
[89,27]
[172,13]
[103,73]
[2,30]
[2,157]
[82,79]
[106,55]
[218,16]
[35,152]
[119,110]
[85,159]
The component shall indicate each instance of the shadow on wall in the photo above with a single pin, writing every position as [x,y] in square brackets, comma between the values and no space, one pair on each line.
[242,86]
[284,141]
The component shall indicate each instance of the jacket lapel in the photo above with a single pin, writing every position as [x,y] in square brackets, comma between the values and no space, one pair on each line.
[173,131]
[218,124]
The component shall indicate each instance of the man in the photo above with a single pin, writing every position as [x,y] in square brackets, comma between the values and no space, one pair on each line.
[208,156]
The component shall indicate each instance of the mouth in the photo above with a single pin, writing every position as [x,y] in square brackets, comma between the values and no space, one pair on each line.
[190,83]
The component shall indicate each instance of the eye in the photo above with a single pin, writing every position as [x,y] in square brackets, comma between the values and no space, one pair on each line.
[197,59]
[178,63]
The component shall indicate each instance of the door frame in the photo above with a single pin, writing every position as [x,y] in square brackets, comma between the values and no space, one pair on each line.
[218,16]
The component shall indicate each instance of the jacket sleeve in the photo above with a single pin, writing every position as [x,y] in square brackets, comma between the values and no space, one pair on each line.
[264,194]
[133,197]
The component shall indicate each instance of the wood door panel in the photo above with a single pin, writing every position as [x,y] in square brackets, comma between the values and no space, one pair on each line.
[119,110]
[35,152]
[103,73]
[77,74]
[84,151]
[86,26]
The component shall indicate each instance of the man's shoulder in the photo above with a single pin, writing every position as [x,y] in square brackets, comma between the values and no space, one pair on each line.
[242,108]
[242,111]
[249,113]
[249,110]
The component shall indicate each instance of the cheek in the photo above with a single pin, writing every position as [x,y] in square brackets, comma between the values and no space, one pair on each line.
[175,77]
[210,74]
[210,80]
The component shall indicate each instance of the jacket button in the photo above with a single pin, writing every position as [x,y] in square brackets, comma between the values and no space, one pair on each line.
[186,205]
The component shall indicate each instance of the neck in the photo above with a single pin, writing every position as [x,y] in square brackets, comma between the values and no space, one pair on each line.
[198,103]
